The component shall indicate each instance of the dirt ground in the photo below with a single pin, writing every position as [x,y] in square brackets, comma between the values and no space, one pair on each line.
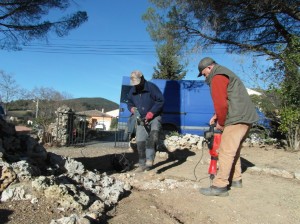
[170,192]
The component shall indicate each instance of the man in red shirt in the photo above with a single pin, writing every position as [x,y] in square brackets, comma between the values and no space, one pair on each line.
[234,115]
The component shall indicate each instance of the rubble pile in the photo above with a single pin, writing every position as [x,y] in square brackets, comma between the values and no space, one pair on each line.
[196,142]
[28,172]
[188,141]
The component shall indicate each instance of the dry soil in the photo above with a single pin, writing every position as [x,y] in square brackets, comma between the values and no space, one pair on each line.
[170,192]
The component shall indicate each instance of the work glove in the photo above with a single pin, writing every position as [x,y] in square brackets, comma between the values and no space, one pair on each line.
[149,116]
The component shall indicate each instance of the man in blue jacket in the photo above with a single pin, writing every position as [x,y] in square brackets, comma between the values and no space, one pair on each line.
[146,99]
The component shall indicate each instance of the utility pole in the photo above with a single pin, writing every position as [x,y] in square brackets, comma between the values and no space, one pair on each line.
[36,108]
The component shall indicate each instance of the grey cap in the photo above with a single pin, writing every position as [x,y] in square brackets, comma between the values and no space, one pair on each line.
[207,61]
[135,77]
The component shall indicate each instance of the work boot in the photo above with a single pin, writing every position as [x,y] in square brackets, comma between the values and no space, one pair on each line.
[140,169]
[214,191]
[237,184]
[149,164]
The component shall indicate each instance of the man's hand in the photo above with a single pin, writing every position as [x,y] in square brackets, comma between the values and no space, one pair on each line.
[213,120]
[149,116]
[219,127]
[132,109]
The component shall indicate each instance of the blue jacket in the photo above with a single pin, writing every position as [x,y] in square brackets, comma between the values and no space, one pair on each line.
[150,99]
[2,112]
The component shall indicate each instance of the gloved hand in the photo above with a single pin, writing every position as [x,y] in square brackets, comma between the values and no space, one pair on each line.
[132,109]
[149,116]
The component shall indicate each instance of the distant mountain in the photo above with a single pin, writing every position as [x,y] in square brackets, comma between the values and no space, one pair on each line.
[77,104]
[96,103]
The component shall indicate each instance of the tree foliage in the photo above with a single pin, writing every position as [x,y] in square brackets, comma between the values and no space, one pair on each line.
[9,89]
[289,124]
[24,21]
[290,98]
[46,102]
[266,27]
[168,66]
[114,124]
[269,27]
[291,83]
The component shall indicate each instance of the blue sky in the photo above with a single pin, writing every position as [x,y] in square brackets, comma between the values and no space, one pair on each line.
[91,61]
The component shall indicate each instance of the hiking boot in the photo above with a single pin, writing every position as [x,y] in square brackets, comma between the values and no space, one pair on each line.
[149,163]
[214,191]
[147,168]
[140,169]
[237,184]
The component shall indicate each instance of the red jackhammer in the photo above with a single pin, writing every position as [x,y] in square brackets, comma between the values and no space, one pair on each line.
[213,140]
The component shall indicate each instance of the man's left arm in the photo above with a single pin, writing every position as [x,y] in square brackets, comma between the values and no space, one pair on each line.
[159,100]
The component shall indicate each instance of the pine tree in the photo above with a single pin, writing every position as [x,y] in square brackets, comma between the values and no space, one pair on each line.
[168,66]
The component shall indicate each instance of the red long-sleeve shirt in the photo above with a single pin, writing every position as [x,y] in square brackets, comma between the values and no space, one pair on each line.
[219,86]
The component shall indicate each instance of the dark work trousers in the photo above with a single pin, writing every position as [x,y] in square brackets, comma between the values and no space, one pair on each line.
[147,139]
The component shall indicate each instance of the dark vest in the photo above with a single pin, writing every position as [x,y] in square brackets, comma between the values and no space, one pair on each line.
[240,107]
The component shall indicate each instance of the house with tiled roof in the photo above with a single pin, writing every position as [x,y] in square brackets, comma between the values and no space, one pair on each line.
[97,117]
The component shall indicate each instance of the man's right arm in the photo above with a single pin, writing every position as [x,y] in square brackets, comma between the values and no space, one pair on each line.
[130,104]
[219,86]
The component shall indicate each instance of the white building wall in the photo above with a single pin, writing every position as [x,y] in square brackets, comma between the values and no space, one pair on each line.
[113,113]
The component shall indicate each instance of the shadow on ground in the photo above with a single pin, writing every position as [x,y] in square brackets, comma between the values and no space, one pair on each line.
[106,163]
[4,214]
[178,157]
[245,164]
[120,162]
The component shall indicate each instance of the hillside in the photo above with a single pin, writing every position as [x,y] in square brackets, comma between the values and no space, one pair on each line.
[77,104]
[96,103]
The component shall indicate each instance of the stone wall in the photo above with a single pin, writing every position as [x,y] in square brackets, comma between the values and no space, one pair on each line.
[27,171]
